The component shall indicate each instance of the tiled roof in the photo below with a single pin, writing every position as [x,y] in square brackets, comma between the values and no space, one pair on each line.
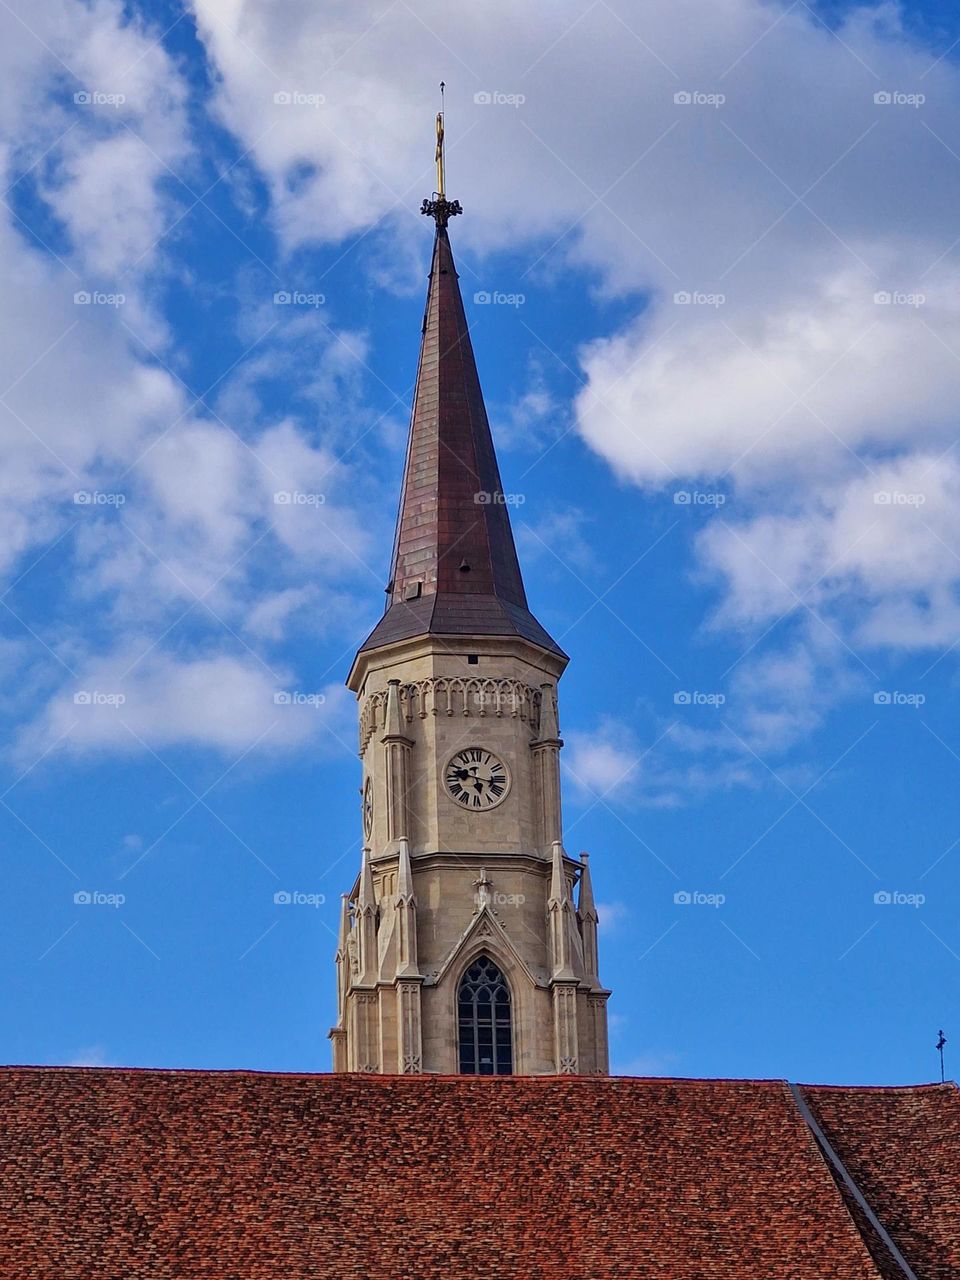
[153,1175]
[458,615]
[902,1148]
[454,568]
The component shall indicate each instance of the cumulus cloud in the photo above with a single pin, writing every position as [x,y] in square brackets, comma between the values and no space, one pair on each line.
[884,542]
[770,200]
[784,272]
[612,916]
[75,401]
[166,511]
[775,699]
[615,765]
[139,700]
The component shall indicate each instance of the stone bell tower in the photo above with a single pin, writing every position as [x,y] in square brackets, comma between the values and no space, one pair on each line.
[468,942]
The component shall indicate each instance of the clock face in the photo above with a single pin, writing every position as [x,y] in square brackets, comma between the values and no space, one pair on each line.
[476,779]
[367,808]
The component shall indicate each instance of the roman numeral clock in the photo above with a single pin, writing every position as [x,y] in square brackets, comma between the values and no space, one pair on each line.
[477,779]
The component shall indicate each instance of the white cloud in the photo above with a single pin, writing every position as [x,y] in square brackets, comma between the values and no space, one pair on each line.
[884,542]
[145,699]
[101,111]
[270,616]
[799,372]
[612,916]
[654,1062]
[803,382]
[82,411]
[774,700]
[94,1055]
[799,200]
[601,762]
[535,417]
[562,529]
[76,401]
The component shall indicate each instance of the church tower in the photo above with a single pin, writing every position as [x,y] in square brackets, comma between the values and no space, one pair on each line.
[468,943]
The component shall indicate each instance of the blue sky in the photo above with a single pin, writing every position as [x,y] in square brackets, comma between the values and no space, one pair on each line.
[721,356]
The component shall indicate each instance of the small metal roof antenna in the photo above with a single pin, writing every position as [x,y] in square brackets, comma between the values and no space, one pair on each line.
[941,1041]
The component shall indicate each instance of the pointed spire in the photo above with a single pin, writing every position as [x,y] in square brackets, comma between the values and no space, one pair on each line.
[404,873]
[454,569]
[393,722]
[344,936]
[587,916]
[586,906]
[366,926]
[343,960]
[549,724]
[366,900]
[559,895]
[406,915]
[566,946]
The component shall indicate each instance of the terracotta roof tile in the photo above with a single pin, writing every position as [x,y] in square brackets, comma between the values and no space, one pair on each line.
[902,1149]
[110,1174]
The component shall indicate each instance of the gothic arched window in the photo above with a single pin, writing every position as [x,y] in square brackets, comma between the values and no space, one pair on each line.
[484,1021]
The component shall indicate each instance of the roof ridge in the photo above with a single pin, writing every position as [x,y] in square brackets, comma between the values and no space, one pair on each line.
[494,1082]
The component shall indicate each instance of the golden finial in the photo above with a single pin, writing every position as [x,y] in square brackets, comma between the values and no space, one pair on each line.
[440,175]
[440,208]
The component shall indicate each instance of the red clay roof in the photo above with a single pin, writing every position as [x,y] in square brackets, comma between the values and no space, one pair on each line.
[155,1175]
[453,543]
[902,1148]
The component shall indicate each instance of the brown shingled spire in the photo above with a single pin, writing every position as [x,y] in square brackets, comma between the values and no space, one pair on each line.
[454,569]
